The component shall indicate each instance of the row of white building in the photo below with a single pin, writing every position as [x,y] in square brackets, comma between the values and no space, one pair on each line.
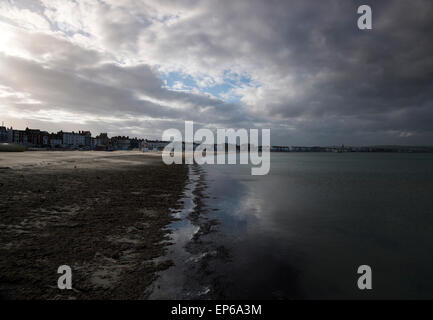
[66,140]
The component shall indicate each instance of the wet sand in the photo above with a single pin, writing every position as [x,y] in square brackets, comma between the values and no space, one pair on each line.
[102,213]
[194,250]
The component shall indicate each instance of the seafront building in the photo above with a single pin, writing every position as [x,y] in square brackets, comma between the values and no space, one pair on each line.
[35,139]
[155,145]
[120,143]
[3,134]
[72,139]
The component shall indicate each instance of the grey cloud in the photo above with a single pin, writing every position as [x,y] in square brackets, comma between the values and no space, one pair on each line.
[348,85]
[78,80]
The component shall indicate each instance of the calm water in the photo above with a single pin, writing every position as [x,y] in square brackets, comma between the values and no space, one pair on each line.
[303,230]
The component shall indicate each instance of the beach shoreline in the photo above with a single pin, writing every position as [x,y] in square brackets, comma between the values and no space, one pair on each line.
[195,247]
[105,214]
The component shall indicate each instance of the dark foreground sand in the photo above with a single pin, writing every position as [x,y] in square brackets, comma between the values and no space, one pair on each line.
[103,214]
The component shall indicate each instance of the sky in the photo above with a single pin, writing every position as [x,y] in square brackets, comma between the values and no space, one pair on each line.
[301,68]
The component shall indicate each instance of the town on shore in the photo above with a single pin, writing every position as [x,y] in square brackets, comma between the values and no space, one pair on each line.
[36,139]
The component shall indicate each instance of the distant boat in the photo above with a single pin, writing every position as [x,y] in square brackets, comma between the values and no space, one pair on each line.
[11,147]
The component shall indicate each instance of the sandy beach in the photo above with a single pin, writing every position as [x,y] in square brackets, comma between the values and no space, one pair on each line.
[102,213]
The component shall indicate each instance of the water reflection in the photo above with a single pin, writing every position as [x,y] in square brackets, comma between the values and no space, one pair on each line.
[172,282]
[302,231]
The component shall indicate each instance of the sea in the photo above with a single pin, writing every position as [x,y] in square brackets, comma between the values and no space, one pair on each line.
[304,230]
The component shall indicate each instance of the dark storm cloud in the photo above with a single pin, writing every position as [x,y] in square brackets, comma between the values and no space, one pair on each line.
[346,81]
[379,80]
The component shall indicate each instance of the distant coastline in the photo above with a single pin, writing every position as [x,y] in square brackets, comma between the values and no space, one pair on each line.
[159,146]
[38,140]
